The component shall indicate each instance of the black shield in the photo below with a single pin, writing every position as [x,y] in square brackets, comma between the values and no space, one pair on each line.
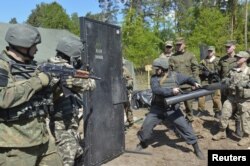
[103,115]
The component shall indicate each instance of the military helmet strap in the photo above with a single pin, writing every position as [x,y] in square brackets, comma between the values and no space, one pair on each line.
[23,54]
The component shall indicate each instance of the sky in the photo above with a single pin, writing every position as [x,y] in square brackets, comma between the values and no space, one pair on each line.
[21,9]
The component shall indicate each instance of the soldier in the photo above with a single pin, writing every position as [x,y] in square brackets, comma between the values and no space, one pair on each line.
[185,63]
[24,140]
[168,50]
[226,63]
[210,76]
[129,86]
[64,121]
[164,83]
[238,99]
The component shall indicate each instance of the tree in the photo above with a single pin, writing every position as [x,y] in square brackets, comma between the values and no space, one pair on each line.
[97,16]
[49,16]
[140,44]
[110,10]
[13,21]
[75,24]
[210,28]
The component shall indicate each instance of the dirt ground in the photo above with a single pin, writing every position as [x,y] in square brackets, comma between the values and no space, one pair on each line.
[169,150]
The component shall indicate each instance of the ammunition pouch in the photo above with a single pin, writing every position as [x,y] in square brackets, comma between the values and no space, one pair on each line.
[243,92]
[246,93]
[22,112]
[65,107]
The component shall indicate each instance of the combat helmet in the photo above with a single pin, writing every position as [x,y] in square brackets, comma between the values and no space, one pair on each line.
[242,54]
[161,62]
[70,46]
[22,35]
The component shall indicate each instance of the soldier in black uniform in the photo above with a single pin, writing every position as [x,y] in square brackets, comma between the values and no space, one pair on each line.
[165,84]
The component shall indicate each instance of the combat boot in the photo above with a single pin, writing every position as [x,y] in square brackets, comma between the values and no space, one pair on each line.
[198,152]
[220,135]
[244,141]
[140,146]
[238,131]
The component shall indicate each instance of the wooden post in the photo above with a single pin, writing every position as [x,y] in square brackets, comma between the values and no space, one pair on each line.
[148,68]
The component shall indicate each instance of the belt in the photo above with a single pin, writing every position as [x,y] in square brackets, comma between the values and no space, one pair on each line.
[19,113]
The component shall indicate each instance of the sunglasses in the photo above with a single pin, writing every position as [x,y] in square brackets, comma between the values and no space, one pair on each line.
[168,46]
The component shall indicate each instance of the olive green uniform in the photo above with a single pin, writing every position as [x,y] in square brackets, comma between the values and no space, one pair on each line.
[212,65]
[24,140]
[225,64]
[186,64]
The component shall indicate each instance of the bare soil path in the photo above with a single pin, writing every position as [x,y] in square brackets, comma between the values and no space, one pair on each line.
[169,150]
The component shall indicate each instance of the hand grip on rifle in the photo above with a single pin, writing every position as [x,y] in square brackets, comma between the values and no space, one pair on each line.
[63,72]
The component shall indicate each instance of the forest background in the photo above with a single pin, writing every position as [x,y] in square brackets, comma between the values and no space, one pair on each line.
[147,24]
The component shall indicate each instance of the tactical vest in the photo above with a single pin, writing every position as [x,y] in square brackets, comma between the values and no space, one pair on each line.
[67,106]
[168,82]
[38,105]
[213,67]
[23,125]
[236,78]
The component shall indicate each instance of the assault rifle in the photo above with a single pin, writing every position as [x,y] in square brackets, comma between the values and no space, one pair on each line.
[213,76]
[63,71]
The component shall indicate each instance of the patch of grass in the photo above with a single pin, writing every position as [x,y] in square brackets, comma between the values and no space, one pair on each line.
[141,82]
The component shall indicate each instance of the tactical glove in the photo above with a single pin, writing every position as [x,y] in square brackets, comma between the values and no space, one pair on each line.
[47,79]
[78,84]
[67,81]
[44,78]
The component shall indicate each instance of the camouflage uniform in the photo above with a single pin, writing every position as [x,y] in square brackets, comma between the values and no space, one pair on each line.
[64,121]
[226,63]
[129,85]
[186,64]
[238,99]
[26,141]
[212,65]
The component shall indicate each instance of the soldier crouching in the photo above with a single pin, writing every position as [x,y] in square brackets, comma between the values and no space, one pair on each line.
[165,84]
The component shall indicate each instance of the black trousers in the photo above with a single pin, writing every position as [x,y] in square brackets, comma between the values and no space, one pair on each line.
[175,116]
